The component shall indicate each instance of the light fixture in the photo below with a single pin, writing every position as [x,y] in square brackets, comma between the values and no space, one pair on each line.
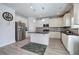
[31,7]
[43,20]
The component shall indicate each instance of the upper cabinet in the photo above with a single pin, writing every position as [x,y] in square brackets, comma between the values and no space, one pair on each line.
[76,13]
[75,17]
[67,20]
[71,18]
[54,22]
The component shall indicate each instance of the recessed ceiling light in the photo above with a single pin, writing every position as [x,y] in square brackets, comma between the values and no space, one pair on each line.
[43,20]
[31,7]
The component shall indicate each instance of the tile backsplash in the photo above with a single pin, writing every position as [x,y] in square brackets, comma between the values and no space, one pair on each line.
[58,29]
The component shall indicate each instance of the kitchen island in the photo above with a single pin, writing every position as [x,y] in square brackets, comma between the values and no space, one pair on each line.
[39,37]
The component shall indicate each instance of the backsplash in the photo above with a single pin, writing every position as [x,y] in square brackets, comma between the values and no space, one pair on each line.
[53,29]
[73,30]
[58,29]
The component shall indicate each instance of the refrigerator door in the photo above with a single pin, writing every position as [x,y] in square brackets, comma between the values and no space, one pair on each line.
[20,31]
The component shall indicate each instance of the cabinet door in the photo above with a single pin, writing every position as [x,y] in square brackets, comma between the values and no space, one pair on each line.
[65,40]
[76,13]
[54,35]
[66,19]
[73,45]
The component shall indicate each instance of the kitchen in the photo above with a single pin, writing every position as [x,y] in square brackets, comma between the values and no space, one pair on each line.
[63,26]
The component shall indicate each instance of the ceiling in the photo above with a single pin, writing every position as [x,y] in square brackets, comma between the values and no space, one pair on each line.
[40,9]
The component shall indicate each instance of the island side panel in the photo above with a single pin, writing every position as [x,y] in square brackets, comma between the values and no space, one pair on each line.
[40,38]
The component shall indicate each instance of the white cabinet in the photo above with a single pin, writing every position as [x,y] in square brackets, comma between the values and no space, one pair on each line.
[39,38]
[76,13]
[75,18]
[65,40]
[73,44]
[73,25]
[67,19]
[54,22]
[57,22]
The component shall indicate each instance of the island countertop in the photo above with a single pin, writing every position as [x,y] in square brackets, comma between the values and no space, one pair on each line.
[40,38]
[39,32]
[70,33]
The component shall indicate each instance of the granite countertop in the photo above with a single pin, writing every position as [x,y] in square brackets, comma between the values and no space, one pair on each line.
[70,33]
[40,32]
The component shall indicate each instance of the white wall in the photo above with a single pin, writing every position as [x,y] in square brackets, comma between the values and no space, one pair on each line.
[54,22]
[7,29]
[32,24]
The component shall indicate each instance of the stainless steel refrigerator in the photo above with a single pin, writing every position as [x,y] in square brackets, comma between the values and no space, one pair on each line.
[20,33]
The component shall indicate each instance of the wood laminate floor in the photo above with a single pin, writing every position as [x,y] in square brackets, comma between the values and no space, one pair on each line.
[55,48]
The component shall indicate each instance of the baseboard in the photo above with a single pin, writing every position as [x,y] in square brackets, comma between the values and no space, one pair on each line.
[7,44]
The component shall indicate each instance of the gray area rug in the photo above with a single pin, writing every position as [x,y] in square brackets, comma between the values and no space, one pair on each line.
[36,48]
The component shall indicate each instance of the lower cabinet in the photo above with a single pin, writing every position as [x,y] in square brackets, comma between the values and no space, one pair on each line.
[55,35]
[65,40]
[71,43]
